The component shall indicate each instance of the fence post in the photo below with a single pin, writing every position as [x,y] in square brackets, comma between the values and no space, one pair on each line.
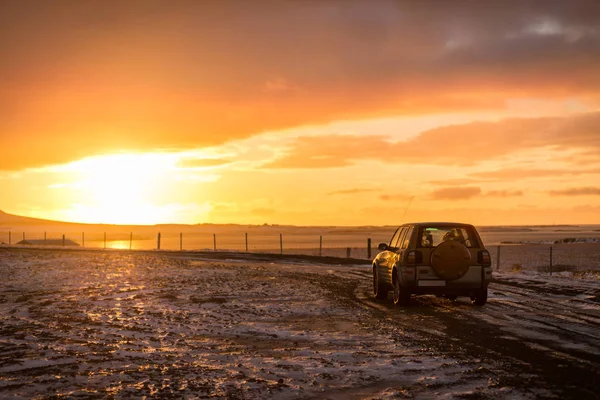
[246,242]
[105,240]
[498,259]
[348,251]
[215,241]
[130,240]
[82,239]
[63,240]
[369,248]
[9,238]
[23,236]
[281,243]
[158,241]
[181,241]
[550,258]
[44,236]
[321,246]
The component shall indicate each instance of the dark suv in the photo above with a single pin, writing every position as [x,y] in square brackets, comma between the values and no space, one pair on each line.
[443,258]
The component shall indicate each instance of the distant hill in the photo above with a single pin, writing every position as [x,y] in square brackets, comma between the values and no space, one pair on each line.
[16,223]
[11,219]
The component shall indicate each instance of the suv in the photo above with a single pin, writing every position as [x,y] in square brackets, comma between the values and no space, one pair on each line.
[443,258]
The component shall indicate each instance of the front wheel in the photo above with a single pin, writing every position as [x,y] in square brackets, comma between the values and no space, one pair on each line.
[480,297]
[379,289]
[401,295]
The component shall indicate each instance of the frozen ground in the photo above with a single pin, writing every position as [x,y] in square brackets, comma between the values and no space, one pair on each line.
[115,324]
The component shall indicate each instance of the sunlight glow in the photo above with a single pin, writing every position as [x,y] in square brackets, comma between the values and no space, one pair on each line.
[124,189]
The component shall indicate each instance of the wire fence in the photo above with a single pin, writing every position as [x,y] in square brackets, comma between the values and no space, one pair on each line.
[546,257]
[505,258]
[277,243]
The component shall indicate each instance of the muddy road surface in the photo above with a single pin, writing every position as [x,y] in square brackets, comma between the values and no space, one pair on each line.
[126,325]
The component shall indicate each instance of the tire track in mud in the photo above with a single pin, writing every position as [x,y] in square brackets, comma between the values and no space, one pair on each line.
[462,331]
[411,382]
[574,324]
[593,295]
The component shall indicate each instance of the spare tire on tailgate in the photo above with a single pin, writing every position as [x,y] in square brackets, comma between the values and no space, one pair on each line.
[450,260]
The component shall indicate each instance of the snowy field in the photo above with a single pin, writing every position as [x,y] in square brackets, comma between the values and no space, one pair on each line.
[118,324]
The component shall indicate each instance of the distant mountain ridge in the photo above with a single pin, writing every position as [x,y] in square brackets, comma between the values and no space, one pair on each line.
[7,220]
[11,219]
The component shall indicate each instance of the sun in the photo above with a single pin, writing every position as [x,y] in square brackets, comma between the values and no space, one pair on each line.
[130,189]
[122,188]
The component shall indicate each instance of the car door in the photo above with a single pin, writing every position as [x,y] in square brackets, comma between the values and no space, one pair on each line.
[393,253]
[385,259]
[401,245]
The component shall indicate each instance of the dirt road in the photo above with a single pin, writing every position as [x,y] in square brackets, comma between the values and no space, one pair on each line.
[126,325]
[545,342]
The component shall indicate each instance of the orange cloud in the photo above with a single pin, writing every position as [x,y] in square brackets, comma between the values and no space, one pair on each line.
[83,78]
[451,145]
[521,173]
[391,197]
[280,85]
[455,193]
[455,182]
[331,151]
[504,193]
[584,191]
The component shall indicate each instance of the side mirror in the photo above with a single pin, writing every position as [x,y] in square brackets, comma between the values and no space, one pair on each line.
[382,246]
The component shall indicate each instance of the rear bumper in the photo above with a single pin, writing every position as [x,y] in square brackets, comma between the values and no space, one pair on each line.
[477,278]
[458,291]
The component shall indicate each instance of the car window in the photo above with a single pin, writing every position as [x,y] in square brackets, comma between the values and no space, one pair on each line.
[431,236]
[406,239]
[400,237]
[395,237]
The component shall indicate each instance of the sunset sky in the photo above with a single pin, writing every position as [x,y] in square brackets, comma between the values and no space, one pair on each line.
[300,112]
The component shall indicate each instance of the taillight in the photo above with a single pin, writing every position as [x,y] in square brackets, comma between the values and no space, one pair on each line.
[483,258]
[414,257]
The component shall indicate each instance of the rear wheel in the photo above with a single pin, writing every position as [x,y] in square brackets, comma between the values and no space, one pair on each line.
[401,295]
[480,297]
[379,289]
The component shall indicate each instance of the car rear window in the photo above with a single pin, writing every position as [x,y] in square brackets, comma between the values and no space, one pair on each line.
[431,236]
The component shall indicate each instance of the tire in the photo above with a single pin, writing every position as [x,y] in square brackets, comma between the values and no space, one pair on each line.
[401,295]
[480,297]
[379,289]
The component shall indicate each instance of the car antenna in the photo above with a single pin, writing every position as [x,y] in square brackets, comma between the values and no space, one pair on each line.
[407,207]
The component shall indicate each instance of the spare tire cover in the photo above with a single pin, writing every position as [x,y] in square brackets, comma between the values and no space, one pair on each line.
[450,260]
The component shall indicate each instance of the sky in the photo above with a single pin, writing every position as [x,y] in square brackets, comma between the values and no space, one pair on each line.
[300,112]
